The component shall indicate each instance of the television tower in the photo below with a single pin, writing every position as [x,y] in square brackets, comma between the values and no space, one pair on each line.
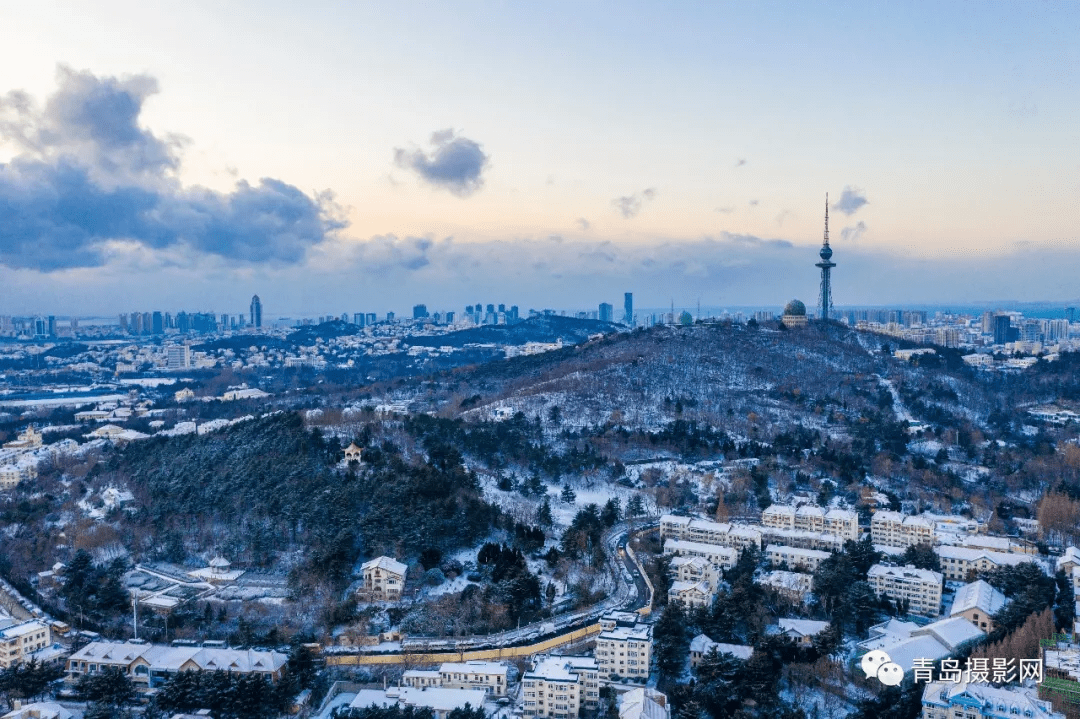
[826,265]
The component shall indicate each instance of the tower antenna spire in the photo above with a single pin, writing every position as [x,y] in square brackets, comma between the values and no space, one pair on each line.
[826,265]
[826,219]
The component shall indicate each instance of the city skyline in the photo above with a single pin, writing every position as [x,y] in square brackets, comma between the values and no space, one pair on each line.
[941,134]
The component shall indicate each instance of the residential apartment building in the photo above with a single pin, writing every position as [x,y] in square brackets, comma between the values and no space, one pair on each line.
[625,652]
[713,553]
[12,474]
[920,587]
[151,665]
[695,569]
[795,557]
[962,563]
[18,640]
[474,674]
[812,518]
[384,580]
[803,538]
[795,586]
[560,687]
[948,700]
[704,531]
[892,529]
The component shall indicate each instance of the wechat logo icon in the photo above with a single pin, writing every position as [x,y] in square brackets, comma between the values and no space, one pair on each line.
[879,664]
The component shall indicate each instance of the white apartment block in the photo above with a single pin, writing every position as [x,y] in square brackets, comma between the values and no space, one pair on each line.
[793,585]
[475,674]
[713,553]
[384,579]
[704,531]
[920,587]
[695,569]
[893,529]
[18,640]
[803,538]
[625,652]
[795,557]
[560,687]
[959,563]
[812,518]
[963,700]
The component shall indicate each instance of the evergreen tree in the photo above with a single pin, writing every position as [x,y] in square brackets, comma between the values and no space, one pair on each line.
[568,495]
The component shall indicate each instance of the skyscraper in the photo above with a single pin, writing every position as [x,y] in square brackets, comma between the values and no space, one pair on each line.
[256,311]
[419,312]
[157,325]
[826,265]
[628,309]
[607,312]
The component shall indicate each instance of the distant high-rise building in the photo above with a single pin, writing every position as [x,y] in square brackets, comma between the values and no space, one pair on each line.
[390,316]
[514,312]
[826,265]
[52,325]
[419,312]
[136,323]
[157,324]
[371,319]
[41,327]
[1002,325]
[988,323]
[147,323]
[256,311]
[628,309]
[607,312]
[183,322]
[123,322]
[449,318]
[178,357]
[502,308]
[225,323]
[358,319]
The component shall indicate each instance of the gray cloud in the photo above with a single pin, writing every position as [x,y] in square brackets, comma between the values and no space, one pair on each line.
[724,210]
[630,205]
[851,199]
[753,203]
[853,234]
[583,223]
[740,162]
[88,176]
[456,163]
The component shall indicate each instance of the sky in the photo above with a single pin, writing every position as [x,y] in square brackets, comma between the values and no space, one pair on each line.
[340,157]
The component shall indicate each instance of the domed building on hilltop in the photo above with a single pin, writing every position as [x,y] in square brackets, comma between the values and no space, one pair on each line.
[794,314]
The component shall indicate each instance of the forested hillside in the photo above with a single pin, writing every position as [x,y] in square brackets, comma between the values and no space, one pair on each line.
[267,489]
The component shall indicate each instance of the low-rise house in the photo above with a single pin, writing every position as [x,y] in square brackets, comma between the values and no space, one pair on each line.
[384,579]
[38,710]
[420,678]
[440,700]
[353,453]
[946,700]
[905,642]
[644,703]
[690,594]
[921,588]
[792,585]
[625,652]
[151,665]
[1069,560]
[701,645]
[560,687]
[801,631]
[978,602]
[780,555]
[489,677]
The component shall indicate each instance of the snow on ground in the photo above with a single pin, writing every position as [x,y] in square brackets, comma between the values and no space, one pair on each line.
[341,700]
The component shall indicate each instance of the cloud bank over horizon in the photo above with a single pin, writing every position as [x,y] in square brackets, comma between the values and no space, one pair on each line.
[88,182]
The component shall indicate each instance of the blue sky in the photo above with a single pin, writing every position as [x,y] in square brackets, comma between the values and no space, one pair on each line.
[420,152]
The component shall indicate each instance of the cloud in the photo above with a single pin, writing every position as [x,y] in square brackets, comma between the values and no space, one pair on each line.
[456,163]
[630,205]
[88,179]
[851,235]
[724,210]
[783,216]
[740,162]
[851,199]
[583,223]
[753,203]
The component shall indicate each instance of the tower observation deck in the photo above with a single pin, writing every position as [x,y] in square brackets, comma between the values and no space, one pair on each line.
[826,265]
